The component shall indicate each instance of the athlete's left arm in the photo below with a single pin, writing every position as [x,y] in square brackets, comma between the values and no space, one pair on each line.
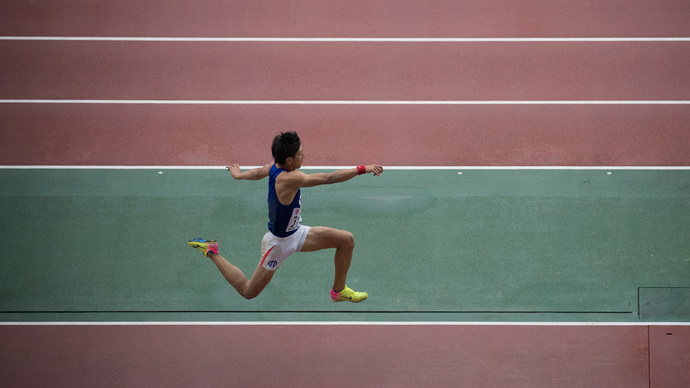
[297,179]
[254,174]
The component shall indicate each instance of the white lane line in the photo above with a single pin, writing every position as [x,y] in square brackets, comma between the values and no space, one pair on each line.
[411,168]
[338,323]
[336,40]
[349,102]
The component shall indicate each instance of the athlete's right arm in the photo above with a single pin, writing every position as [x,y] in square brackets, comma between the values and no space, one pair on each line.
[253,174]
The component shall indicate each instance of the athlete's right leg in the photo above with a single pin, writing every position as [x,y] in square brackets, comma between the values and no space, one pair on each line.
[321,237]
[248,288]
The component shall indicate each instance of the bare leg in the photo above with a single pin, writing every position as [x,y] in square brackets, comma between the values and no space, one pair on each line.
[321,237]
[248,288]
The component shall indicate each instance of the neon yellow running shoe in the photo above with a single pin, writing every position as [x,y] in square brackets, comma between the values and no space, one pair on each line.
[347,295]
[205,246]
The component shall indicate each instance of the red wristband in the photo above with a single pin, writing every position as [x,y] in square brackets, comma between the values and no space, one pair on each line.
[361,170]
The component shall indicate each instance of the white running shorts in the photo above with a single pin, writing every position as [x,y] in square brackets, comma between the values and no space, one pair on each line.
[274,250]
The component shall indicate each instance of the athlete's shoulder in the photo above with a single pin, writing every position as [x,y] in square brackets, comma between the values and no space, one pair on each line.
[274,171]
[293,178]
[290,175]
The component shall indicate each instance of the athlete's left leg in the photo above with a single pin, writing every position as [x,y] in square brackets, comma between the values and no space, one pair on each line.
[248,288]
[321,237]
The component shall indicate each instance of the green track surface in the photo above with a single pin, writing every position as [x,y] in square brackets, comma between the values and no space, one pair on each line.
[487,245]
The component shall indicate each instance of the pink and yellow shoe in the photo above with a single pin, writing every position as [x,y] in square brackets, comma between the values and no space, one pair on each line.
[347,295]
[205,246]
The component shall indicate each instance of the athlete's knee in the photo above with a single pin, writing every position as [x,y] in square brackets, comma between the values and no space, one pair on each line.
[252,288]
[348,240]
[249,294]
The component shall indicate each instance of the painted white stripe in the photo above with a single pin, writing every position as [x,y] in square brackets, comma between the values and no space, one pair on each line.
[390,168]
[336,40]
[341,323]
[349,102]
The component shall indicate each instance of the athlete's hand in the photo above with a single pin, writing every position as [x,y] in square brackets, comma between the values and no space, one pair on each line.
[235,171]
[375,168]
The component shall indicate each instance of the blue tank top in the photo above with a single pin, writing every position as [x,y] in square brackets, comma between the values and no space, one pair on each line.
[283,220]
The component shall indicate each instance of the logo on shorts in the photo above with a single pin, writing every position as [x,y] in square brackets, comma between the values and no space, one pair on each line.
[272,264]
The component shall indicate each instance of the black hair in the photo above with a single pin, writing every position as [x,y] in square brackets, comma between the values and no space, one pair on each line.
[285,146]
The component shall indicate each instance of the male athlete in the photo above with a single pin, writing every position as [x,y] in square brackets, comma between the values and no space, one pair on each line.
[286,233]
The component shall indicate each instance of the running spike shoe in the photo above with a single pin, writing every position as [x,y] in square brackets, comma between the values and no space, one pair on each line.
[347,295]
[205,246]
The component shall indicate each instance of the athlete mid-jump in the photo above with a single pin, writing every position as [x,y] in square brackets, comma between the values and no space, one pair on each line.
[286,234]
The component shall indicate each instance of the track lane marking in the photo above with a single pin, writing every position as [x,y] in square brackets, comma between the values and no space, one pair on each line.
[336,323]
[347,102]
[341,39]
[410,168]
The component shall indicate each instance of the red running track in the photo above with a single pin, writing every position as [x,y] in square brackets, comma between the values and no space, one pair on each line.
[353,18]
[437,135]
[345,71]
[358,356]
[426,135]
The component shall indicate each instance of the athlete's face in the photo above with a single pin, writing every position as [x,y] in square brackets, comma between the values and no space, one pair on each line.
[298,159]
